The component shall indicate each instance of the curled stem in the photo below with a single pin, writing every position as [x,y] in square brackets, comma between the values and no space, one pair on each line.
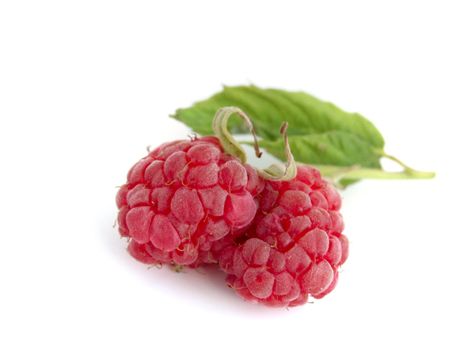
[229,144]
[277,172]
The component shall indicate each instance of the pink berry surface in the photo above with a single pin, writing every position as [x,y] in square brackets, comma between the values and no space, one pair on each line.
[182,197]
[295,245]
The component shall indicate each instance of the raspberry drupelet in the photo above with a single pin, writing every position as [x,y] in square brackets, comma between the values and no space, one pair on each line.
[182,197]
[295,245]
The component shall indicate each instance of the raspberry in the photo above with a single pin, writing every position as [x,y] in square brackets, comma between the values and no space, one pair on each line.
[196,202]
[295,246]
[182,197]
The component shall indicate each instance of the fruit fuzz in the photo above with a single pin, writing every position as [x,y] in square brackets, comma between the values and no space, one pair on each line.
[276,234]
[183,196]
[296,244]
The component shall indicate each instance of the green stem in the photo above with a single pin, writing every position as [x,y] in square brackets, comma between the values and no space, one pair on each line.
[275,172]
[358,173]
[229,144]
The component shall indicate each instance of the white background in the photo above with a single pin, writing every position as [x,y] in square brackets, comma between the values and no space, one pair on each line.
[85,86]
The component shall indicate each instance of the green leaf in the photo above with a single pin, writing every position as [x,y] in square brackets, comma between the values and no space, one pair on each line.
[345,146]
[268,108]
[331,148]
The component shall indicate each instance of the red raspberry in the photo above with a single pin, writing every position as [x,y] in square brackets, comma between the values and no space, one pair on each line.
[296,243]
[182,197]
